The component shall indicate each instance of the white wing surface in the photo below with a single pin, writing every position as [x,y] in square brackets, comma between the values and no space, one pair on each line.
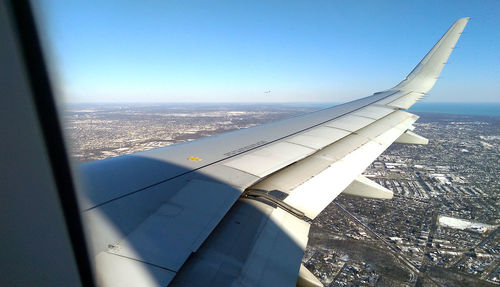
[234,209]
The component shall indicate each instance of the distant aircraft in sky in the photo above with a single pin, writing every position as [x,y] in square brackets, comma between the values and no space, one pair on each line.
[227,210]
[267,92]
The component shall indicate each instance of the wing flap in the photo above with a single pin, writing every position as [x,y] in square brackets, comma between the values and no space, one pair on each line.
[382,125]
[319,137]
[270,158]
[314,195]
[373,112]
[254,245]
[275,258]
[118,271]
[168,236]
[350,122]
[294,175]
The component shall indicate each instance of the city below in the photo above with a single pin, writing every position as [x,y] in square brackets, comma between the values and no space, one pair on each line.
[440,229]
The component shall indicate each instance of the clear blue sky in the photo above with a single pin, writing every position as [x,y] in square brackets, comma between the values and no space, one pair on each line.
[234,51]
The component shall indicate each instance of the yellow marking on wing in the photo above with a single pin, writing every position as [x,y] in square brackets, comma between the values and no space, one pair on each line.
[194,158]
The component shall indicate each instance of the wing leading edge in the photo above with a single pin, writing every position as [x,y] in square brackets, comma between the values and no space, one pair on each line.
[240,216]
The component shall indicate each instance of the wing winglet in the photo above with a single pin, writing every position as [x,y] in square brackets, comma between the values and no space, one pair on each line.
[424,75]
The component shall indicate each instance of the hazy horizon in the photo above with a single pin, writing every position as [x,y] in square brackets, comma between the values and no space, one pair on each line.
[460,108]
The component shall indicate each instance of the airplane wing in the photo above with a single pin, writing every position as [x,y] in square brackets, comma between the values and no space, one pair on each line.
[235,209]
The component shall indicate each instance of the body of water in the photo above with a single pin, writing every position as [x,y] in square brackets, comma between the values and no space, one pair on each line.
[483,109]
